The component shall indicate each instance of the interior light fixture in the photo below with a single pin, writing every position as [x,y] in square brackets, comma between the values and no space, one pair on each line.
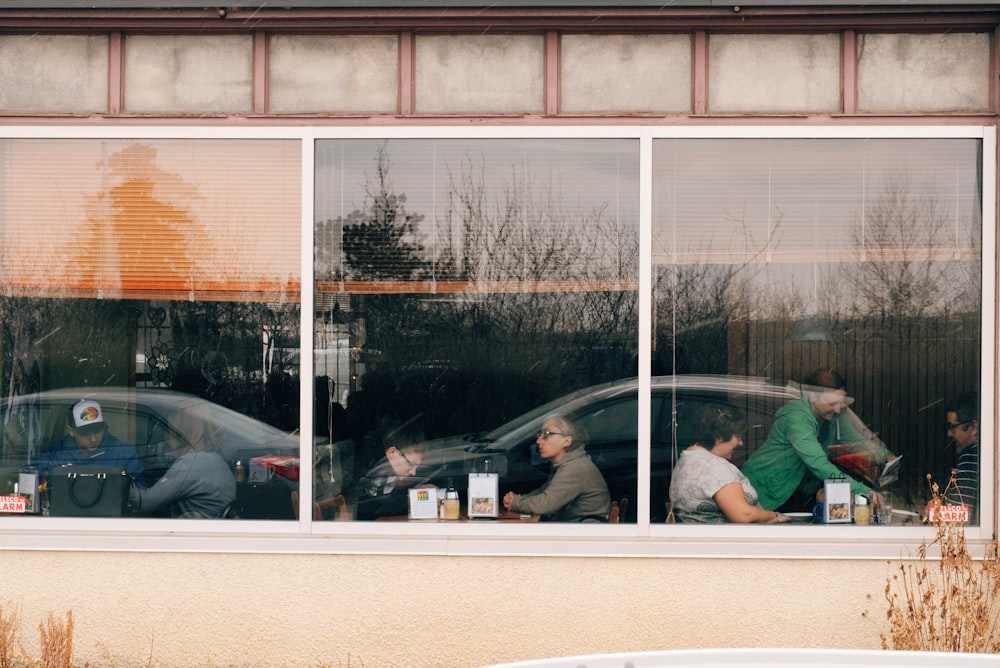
[815,327]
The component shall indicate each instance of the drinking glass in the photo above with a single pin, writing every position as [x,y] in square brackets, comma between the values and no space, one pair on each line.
[883,511]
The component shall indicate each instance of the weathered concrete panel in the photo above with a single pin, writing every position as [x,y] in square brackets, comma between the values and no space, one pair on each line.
[630,73]
[177,74]
[353,74]
[480,74]
[54,73]
[924,72]
[777,73]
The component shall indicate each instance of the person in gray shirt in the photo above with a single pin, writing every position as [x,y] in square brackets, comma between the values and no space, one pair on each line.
[575,490]
[199,484]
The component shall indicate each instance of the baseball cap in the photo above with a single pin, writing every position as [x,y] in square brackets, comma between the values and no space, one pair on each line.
[87,413]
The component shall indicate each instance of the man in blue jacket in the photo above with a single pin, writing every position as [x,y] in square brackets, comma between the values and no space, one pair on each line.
[88,442]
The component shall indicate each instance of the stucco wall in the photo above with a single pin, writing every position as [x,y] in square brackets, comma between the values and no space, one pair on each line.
[309,610]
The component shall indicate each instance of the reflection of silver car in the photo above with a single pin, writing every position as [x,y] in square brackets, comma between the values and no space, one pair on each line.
[610,415]
[154,421]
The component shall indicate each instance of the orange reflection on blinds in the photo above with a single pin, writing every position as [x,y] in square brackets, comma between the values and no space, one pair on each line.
[157,219]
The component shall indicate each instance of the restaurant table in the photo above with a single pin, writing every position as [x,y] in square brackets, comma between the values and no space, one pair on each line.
[464,517]
[900,517]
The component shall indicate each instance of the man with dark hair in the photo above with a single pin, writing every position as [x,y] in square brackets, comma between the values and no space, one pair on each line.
[963,430]
[384,489]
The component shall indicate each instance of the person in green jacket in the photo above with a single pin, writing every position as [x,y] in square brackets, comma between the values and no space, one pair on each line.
[792,463]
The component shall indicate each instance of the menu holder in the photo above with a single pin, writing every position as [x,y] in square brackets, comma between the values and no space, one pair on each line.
[28,485]
[484,492]
[836,501]
[423,503]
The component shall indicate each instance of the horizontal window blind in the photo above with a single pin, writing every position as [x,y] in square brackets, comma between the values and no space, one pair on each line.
[151,219]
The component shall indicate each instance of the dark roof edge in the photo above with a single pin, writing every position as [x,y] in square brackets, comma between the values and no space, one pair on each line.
[30,5]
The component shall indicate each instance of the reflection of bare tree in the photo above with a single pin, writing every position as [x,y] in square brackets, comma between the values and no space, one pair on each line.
[536,289]
[905,271]
[381,240]
[697,302]
[573,273]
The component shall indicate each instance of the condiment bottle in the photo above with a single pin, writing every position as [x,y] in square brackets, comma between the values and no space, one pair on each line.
[451,503]
[862,511]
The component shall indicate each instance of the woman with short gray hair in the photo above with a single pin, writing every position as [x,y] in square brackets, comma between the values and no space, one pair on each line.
[575,490]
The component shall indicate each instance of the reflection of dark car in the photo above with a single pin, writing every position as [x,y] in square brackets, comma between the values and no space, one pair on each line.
[146,418]
[609,414]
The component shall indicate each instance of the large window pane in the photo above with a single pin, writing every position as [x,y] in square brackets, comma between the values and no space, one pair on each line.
[461,285]
[160,280]
[778,257]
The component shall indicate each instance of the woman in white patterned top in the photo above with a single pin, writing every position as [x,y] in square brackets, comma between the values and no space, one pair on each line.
[705,486]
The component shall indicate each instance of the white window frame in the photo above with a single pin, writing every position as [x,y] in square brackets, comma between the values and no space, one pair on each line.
[640,539]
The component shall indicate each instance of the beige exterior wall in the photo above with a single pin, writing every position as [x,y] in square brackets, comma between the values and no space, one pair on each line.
[448,611]
[54,73]
[188,74]
[924,72]
[349,74]
[625,73]
[750,73]
[487,74]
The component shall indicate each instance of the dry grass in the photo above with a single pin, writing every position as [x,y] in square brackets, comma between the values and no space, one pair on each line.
[946,601]
[10,624]
[56,641]
[56,638]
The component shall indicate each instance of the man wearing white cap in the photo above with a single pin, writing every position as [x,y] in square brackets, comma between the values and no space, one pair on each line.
[87,441]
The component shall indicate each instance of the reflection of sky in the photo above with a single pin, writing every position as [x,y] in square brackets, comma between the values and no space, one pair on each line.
[581,174]
[801,195]
[801,211]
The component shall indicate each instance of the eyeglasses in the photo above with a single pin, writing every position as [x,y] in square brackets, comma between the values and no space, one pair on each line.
[952,426]
[406,459]
[545,433]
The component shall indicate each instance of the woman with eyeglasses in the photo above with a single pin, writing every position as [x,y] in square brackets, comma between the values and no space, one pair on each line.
[705,486]
[575,490]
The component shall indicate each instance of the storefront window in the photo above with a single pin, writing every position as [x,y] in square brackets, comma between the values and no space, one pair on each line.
[783,258]
[461,285]
[442,333]
[486,311]
[150,318]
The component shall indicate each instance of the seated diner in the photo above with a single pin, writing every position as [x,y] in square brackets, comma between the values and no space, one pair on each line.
[575,490]
[791,465]
[705,487]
